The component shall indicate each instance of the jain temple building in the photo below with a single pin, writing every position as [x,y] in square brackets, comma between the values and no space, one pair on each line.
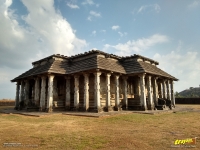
[94,81]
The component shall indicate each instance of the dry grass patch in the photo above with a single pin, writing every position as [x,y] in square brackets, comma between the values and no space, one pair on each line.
[131,131]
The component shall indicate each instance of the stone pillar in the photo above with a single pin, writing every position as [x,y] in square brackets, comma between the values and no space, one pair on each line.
[172,94]
[50,94]
[67,97]
[161,90]
[42,94]
[150,99]
[155,91]
[17,95]
[168,93]
[142,93]
[21,100]
[97,91]
[26,90]
[86,92]
[164,89]
[125,102]
[117,104]
[27,86]
[37,91]
[108,107]
[76,92]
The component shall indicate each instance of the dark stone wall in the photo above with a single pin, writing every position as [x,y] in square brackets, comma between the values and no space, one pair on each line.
[187,100]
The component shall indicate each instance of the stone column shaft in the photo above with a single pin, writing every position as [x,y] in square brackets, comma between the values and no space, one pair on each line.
[17,95]
[86,92]
[50,94]
[155,91]
[117,92]
[27,91]
[22,92]
[168,93]
[164,89]
[108,91]
[125,102]
[150,93]
[142,96]
[172,94]
[37,91]
[42,94]
[97,90]
[76,92]
[67,97]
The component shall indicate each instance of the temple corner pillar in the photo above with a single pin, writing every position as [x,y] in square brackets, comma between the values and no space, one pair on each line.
[17,96]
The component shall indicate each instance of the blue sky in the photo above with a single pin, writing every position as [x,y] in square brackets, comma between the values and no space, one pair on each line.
[166,31]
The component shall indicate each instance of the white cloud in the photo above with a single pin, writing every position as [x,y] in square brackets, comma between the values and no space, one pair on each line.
[89,18]
[154,7]
[115,27]
[185,67]
[137,46]
[44,32]
[95,14]
[194,4]
[88,2]
[94,33]
[73,6]
[103,31]
[122,34]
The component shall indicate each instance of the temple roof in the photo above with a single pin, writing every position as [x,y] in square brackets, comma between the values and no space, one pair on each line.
[94,59]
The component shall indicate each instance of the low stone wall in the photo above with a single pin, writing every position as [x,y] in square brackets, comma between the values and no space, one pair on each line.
[187,100]
[7,103]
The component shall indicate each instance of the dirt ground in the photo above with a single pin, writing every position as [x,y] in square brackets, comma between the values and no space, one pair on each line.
[126,131]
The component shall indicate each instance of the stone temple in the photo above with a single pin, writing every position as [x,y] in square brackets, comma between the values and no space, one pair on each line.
[94,81]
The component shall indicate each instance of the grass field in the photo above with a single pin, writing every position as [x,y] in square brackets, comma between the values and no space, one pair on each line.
[130,131]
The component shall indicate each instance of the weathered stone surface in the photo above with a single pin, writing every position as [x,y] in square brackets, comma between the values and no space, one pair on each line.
[43,93]
[143,95]
[96,83]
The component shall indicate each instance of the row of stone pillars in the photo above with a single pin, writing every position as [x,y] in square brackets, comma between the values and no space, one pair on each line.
[96,92]
[153,99]
[22,93]
[39,94]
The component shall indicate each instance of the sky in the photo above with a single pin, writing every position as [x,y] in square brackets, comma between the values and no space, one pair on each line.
[167,31]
